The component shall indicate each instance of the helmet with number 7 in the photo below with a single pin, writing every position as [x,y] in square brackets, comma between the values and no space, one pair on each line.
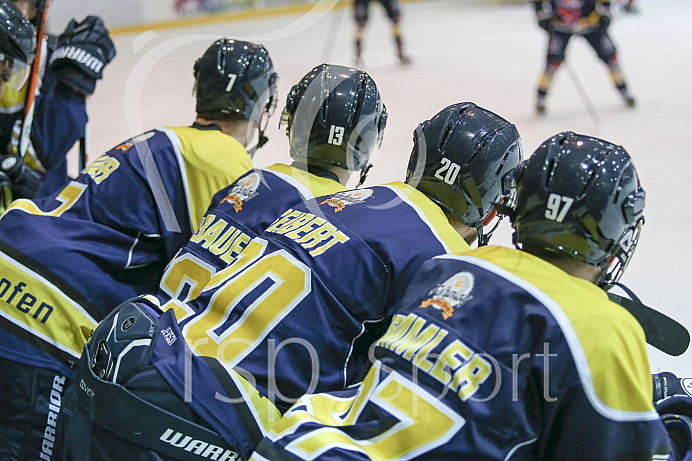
[234,78]
[580,197]
[334,116]
[462,159]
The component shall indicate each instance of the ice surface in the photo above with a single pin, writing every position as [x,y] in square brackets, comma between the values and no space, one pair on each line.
[488,53]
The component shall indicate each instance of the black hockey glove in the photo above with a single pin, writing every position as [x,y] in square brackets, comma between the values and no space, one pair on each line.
[545,24]
[544,14]
[25,181]
[676,415]
[667,384]
[604,21]
[84,49]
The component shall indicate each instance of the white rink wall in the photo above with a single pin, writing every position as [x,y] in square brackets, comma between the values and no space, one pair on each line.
[135,13]
[490,53]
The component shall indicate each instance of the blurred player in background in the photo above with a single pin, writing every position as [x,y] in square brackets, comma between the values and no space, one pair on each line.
[509,353]
[298,309]
[394,13]
[68,259]
[588,18]
[71,64]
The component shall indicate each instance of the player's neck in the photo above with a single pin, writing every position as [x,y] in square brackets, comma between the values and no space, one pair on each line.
[242,130]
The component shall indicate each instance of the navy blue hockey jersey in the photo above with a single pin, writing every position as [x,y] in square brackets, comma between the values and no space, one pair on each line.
[66,260]
[237,214]
[575,16]
[494,354]
[297,311]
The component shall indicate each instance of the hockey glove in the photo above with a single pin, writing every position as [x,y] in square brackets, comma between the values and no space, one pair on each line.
[604,21]
[25,181]
[545,24]
[676,415]
[544,15]
[84,49]
[667,384]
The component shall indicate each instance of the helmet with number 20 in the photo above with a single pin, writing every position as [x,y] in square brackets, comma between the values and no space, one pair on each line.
[462,159]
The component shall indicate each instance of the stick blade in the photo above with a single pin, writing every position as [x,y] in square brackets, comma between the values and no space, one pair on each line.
[662,332]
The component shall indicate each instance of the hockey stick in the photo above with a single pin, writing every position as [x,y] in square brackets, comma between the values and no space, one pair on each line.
[25,133]
[84,140]
[334,27]
[662,332]
[582,93]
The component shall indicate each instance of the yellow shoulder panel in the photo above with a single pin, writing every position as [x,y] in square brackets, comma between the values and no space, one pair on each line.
[435,217]
[317,185]
[609,337]
[212,160]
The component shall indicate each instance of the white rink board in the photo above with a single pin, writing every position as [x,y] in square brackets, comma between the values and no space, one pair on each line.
[491,54]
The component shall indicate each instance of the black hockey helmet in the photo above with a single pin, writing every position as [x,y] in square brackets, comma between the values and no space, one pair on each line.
[462,159]
[334,116]
[17,35]
[17,44]
[35,16]
[580,196]
[236,77]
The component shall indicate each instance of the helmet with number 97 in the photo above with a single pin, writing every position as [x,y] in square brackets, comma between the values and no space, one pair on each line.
[580,196]
[462,159]
[235,78]
[334,116]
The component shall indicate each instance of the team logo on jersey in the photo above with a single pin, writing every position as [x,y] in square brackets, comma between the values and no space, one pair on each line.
[243,191]
[127,145]
[687,385]
[341,200]
[451,294]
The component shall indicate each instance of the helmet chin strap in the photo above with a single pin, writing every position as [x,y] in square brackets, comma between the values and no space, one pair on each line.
[261,141]
[484,238]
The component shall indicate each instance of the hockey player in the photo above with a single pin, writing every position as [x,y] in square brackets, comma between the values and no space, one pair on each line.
[297,310]
[394,14]
[590,19]
[334,119]
[17,50]
[327,96]
[68,259]
[71,65]
[509,353]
